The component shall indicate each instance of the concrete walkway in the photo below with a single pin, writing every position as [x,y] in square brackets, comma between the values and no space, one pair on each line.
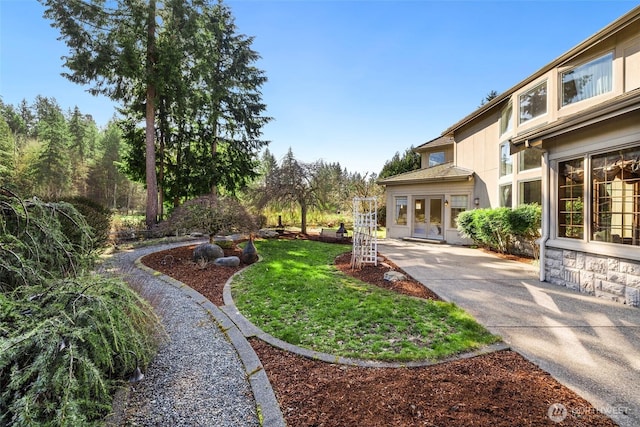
[588,344]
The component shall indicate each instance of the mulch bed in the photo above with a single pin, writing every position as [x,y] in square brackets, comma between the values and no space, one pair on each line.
[497,389]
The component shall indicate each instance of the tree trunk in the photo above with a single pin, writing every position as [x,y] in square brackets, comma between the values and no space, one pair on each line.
[152,184]
[303,217]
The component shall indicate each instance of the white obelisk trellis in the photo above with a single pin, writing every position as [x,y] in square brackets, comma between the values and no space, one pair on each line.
[365,225]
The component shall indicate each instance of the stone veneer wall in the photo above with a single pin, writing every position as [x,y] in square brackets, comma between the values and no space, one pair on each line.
[616,279]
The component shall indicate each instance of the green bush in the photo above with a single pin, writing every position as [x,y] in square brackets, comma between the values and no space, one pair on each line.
[97,216]
[67,337]
[498,228]
[33,245]
[66,347]
[210,215]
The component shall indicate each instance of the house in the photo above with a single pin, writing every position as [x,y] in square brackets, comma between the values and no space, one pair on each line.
[567,137]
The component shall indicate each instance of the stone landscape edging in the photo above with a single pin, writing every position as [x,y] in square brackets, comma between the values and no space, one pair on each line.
[267,404]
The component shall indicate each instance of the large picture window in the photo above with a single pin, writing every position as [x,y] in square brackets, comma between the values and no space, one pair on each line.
[533,103]
[616,197]
[570,199]
[588,80]
[401,210]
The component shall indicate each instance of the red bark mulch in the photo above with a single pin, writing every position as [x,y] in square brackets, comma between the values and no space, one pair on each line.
[497,389]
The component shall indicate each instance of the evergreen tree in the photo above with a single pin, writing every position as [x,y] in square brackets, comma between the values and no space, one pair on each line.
[53,168]
[409,161]
[192,78]
[114,49]
[84,132]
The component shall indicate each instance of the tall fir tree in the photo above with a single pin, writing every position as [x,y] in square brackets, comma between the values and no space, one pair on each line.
[182,67]
[53,168]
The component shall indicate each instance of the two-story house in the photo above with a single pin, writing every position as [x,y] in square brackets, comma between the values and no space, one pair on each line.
[568,137]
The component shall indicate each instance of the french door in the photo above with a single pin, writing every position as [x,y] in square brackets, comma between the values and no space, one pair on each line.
[427,217]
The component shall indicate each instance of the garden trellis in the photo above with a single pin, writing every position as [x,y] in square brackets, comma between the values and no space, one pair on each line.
[365,224]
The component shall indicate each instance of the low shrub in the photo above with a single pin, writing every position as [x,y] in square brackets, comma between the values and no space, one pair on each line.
[499,228]
[209,215]
[66,346]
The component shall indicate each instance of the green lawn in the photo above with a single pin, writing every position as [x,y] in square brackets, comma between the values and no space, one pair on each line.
[296,294]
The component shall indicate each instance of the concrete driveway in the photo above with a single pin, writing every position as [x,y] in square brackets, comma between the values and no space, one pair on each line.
[588,344]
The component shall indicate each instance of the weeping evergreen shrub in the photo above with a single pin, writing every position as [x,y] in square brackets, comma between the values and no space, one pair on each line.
[97,216]
[33,246]
[68,337]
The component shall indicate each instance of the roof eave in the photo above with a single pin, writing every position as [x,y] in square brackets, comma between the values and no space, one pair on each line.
[427,180]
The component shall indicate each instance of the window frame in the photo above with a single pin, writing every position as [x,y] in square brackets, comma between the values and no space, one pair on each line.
[459,203]
[615,196]
[509,127]
[505,167]
[530,92]
[397,214]
[561,82]
[501,196]
[576,196]
[444,158]
[521,191]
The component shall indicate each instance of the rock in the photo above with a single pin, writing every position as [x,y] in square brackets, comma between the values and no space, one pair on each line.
[249,253]
[228,261]
[265,233]
[394,276]
[207,252]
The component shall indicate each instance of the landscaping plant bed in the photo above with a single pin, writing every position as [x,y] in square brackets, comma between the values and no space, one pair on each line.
[497,389]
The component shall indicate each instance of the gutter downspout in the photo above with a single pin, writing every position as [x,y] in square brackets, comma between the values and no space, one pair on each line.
[546,217]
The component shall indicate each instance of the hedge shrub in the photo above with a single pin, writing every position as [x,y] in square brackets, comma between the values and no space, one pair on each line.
[499,228]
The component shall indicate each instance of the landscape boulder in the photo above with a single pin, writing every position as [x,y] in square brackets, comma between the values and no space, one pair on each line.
[228,261]
[266,233]
[394,276]
[207,252]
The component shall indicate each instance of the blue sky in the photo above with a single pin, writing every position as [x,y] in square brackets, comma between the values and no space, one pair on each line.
[349,81]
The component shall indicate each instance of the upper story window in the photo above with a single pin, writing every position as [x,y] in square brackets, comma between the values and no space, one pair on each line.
[533,103]
[436,158]
[587,80]
[506,118]
[506,160]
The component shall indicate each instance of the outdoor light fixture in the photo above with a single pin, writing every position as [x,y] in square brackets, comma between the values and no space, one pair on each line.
[446,203]
[476,201]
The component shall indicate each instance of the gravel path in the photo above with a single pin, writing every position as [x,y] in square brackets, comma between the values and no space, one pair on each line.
[197,378]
